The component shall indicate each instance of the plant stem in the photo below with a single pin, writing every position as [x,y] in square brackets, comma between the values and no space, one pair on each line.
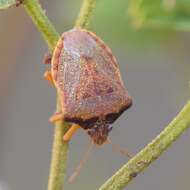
[50,35]
[151,152]
[42,22]
[60,148]
[59,157]
[85,13]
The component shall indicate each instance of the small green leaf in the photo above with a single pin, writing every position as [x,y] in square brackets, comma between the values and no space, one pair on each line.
[173,14]
[5,4]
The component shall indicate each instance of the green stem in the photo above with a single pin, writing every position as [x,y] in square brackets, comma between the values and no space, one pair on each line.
[85,13]
[42,22]
[59,157]
[151,152]
[60,149]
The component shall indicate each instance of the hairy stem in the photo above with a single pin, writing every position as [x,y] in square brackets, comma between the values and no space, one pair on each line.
[151,152]
[60,148]
[42,22]
[50,35]
[85,13]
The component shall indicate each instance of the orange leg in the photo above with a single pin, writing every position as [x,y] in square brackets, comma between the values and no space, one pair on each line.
[48,76]
[56,117]
[68,135]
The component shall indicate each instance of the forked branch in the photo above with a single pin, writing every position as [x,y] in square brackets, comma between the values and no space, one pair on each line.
[59,154]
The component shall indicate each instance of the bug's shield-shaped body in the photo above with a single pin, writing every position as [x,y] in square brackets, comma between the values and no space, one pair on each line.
[88,80]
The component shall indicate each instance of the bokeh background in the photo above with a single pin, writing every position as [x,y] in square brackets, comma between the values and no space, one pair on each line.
[155,66]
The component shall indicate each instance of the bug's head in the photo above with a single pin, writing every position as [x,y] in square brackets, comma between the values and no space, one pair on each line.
[99,132]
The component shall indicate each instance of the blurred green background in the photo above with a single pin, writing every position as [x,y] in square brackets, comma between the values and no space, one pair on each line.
[151,41]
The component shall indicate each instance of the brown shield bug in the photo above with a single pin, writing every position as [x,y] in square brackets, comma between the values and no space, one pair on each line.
[89,84]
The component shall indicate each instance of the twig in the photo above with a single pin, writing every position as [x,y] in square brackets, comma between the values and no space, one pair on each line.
[59,150]
[42,22]
[85,13]
[151,152]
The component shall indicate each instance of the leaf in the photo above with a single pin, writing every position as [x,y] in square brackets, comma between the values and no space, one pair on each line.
[170,14]
[5,4]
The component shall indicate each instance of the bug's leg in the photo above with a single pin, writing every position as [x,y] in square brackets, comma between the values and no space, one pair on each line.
[68,135]
[56,117]
[47,58]
[48,77]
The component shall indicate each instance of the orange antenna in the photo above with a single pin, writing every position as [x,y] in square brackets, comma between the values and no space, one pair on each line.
[82,162]
[118,148]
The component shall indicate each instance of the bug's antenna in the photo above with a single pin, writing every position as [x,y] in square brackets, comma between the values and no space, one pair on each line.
[82,162]
[118,148]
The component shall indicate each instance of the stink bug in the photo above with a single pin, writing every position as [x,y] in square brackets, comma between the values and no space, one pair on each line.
[89,85]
